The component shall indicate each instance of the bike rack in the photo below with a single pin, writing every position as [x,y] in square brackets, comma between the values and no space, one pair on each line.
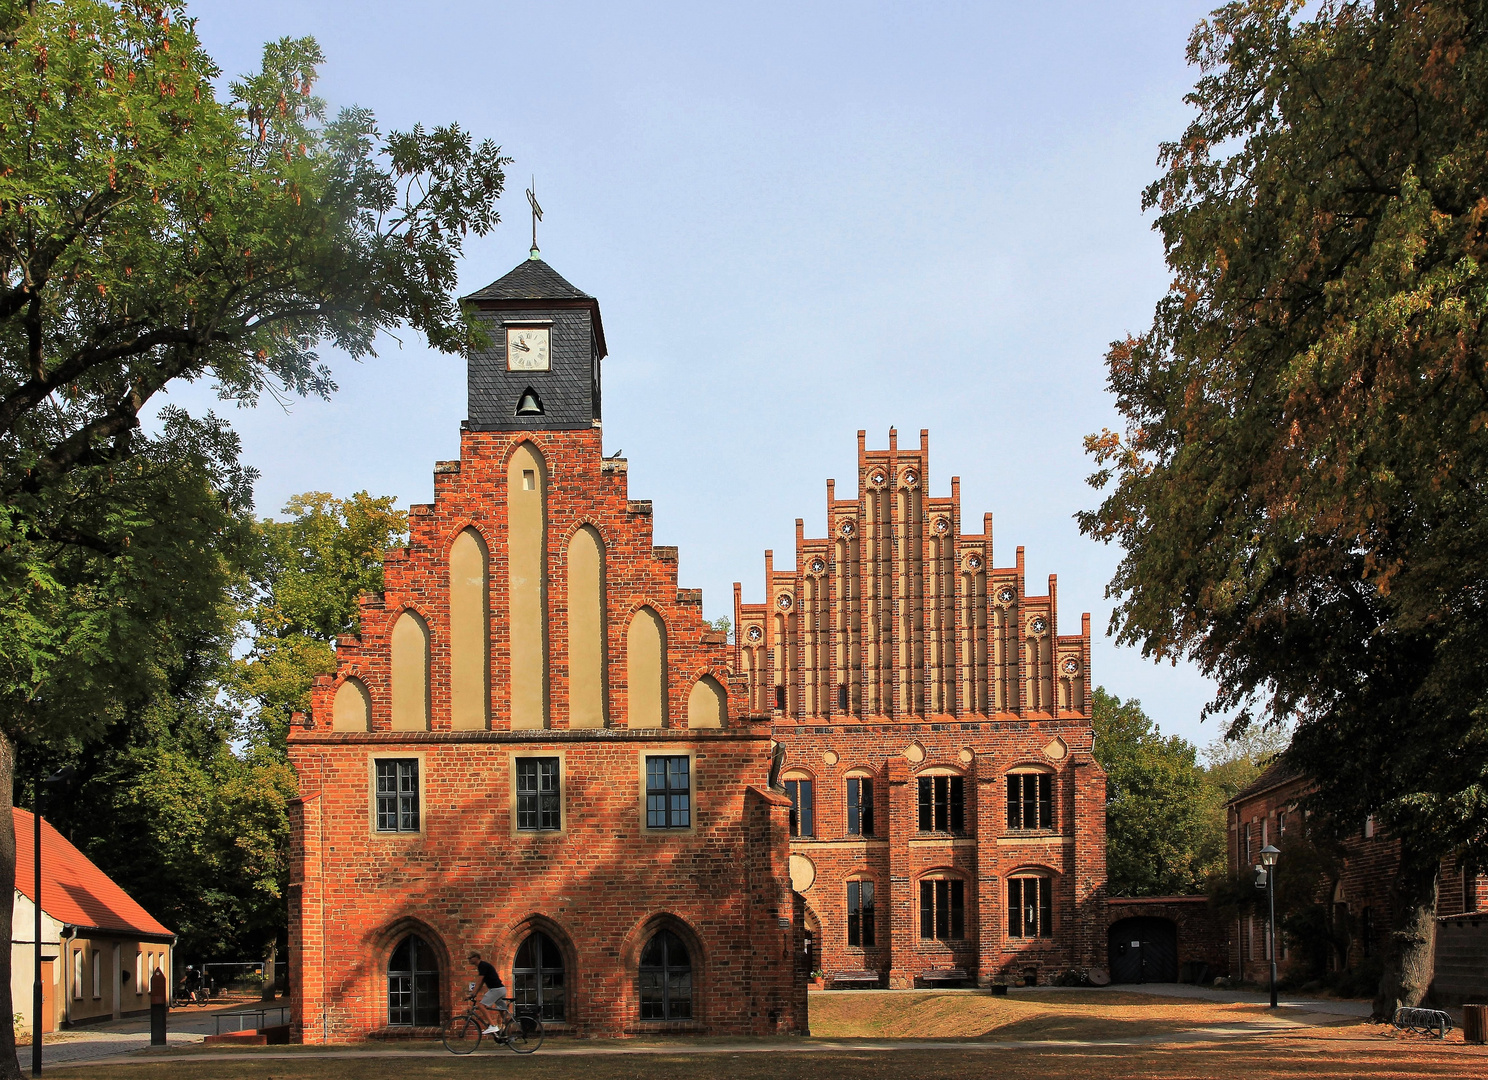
[1423,1021]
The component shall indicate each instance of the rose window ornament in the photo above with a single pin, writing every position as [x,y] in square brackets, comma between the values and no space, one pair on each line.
[878,478]
[784,601]
[909,478]
[973,562]
[1005,594]
[942,526]
[1038,626]
[847,529]
[818,566]
[755,633]
[1071,666]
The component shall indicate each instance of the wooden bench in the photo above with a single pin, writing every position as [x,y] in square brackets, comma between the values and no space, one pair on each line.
[943,977]
[854,979]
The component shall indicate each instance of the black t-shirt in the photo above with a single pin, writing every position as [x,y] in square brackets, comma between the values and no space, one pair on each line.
[488,975]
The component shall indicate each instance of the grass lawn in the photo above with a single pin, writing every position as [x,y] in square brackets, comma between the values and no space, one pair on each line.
[1344,1048]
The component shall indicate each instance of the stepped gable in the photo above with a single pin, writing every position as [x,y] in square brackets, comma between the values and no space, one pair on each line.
[898,613]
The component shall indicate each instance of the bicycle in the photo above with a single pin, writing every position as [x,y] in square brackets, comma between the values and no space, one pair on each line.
[523,1033]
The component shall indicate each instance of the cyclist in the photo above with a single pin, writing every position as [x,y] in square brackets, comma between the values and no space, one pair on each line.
[493,998]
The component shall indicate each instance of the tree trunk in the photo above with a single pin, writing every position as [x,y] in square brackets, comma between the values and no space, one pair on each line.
[10,1069]
[270,963]
[1410,952]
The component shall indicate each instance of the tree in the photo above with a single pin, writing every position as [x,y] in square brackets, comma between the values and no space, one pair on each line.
[303,594]
[1298,491]
[1156,815]
[149,232]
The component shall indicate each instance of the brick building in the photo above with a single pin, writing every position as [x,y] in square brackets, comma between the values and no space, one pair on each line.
[535,749]
[948,820]
[1358,897]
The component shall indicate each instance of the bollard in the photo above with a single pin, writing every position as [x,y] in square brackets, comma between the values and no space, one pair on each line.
[159,1006]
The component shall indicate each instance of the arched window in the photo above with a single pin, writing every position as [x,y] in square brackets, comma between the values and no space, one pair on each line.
[666,979]
[942,907]
[538,974]
[413,984]
[798,787]
[1030,903]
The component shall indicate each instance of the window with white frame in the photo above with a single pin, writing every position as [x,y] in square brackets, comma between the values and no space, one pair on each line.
[77,974]
[139,972]
[97,974]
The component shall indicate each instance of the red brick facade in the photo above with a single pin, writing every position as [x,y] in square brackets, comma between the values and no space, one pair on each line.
[896,652]
[423,830]
[463,875]
[1359,898]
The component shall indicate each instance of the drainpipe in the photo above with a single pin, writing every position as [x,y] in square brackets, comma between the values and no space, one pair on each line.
[68,934]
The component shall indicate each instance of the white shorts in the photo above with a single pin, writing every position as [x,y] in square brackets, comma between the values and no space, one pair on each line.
[495,998]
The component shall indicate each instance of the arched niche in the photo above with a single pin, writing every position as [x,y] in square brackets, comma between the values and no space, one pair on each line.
[586,630]
[645,670]
[707,704]
[526,523]
[469,642]
[410,670]
[351,710]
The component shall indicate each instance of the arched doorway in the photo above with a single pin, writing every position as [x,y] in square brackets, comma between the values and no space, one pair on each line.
[413,984]
[666,978]
[538,975]
[1144,949]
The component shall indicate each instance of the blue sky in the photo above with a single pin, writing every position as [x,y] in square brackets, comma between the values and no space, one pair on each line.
[800,220]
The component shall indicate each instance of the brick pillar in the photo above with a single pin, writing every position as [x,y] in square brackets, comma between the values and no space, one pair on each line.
[990,925]
[777,997]
[1089,863]
[900,924]
[306,923]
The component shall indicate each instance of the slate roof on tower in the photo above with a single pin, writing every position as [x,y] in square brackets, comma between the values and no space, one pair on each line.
[531,279]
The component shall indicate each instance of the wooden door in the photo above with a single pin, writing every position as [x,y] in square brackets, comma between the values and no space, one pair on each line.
[48,997]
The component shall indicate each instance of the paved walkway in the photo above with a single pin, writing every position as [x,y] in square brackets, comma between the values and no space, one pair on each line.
[185,1027]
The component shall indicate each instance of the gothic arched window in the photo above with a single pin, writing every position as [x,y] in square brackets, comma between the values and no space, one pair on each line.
[413,984]
[538,974]
[666,979]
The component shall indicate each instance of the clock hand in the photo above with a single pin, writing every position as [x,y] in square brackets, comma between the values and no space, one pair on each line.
[520,344]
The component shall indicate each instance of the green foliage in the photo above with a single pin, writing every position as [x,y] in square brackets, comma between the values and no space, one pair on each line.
[148,232]
[1298,491]
[303,595]
[1155,805]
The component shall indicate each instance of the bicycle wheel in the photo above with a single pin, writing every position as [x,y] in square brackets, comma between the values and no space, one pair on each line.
[524,1034]
[462,1034]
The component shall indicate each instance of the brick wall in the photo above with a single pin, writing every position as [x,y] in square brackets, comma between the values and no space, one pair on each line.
[468,879]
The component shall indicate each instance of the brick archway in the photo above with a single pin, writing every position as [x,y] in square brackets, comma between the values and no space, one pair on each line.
[630,959]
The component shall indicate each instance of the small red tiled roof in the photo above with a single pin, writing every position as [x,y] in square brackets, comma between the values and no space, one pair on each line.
[73,890]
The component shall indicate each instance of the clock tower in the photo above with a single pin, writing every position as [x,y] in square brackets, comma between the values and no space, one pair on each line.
[539,369]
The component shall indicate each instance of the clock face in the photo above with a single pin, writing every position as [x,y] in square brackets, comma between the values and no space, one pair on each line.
[527,348]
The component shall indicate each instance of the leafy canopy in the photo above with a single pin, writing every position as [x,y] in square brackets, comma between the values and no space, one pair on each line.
[1299,490]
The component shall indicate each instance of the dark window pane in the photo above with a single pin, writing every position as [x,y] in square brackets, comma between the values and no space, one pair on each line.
[413,985]
[665,979]
[942,909]
[1046,801]
[866,892]
[1046,907]
[538,976]
[927,804]
[1015,907]
[397,796]
[927,909]
[865,807]
[958,909]
[808,809]
[780,698]
[958,811]
[854,828]
[793,792]
[842,699]
[854,918]
[1014,802]
[668,795]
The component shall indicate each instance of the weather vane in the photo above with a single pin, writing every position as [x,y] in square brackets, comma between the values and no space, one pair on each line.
[536,214]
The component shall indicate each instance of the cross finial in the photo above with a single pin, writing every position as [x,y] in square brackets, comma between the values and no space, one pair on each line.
[536,216]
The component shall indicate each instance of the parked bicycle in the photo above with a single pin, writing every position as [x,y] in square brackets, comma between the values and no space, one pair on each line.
[522,1032]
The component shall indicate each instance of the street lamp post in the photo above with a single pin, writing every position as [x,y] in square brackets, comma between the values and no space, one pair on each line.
[1269,856]
[36,994]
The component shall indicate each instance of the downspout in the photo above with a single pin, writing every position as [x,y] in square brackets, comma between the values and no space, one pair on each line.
[68,934]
